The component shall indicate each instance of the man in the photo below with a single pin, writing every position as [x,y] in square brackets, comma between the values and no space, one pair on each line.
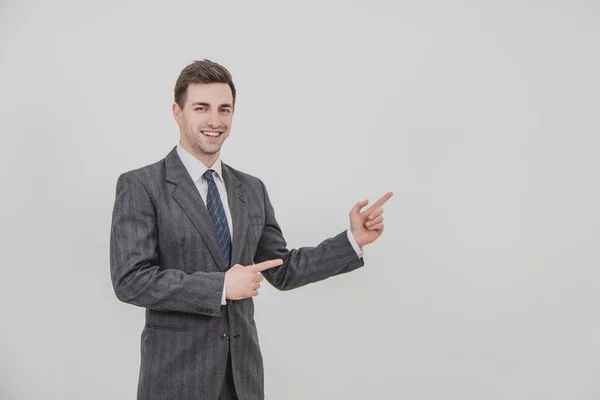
[192,239]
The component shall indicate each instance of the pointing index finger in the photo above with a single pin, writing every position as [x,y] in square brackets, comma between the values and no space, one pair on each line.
[382,200]
[267,264]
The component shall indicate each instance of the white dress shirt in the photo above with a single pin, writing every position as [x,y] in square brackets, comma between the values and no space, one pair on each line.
[196,169]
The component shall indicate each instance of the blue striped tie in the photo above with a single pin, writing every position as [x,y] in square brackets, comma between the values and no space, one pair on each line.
[217,214]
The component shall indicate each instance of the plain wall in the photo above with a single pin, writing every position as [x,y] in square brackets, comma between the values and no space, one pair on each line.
[482,117]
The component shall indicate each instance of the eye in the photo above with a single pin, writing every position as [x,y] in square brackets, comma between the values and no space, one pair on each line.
[200,108]
[226,111]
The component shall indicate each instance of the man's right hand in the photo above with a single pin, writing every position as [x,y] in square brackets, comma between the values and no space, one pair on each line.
[242,282]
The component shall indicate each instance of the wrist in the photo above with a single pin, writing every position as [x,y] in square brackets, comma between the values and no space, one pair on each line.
[357,238]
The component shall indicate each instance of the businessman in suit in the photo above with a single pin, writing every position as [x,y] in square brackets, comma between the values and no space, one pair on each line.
[192,240]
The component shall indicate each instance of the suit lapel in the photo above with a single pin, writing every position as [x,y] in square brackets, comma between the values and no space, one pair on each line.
[236,197]
[187,196]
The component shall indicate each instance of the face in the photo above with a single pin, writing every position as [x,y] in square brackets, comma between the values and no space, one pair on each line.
[205,119]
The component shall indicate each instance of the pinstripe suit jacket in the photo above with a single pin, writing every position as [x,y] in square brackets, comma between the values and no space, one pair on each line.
[164,256]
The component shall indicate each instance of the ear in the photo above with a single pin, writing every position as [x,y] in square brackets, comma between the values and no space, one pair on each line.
[177,113]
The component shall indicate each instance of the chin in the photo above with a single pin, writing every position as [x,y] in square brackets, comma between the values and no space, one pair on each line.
[209,149]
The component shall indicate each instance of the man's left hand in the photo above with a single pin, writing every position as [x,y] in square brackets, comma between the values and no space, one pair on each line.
[367,226]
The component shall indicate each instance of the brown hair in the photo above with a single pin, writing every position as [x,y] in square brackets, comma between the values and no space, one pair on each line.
[204,71]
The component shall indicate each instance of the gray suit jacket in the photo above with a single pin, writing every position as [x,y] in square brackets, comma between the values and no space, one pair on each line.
[164,256]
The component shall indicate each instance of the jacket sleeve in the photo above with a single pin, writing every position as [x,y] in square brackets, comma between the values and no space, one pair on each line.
[136,276]
[305,265]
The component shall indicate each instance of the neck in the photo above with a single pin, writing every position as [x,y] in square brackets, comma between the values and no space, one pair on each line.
[207,159]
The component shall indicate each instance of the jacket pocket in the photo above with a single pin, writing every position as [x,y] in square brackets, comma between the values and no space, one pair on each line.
[173,328]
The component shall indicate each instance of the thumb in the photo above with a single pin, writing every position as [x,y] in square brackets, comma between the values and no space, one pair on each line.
[358,206]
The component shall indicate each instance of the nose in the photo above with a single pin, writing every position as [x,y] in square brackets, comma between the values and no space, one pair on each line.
[213,119]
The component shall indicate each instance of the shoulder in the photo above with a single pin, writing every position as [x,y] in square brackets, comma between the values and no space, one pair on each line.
[147,176]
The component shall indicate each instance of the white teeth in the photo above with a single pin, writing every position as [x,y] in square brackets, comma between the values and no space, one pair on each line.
[211,134]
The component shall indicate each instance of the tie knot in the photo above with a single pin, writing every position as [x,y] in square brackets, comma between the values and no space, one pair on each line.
[208,175]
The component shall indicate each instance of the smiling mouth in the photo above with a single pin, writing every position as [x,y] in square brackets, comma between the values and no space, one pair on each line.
[211,134]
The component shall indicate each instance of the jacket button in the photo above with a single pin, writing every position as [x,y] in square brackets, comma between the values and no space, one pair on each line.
[225,336]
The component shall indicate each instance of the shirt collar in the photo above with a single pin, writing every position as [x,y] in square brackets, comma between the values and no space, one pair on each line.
[195,167]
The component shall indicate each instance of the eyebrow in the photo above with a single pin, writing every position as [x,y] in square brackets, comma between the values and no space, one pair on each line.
[226,105]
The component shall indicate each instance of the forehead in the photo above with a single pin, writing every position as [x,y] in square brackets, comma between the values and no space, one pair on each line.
[211,93]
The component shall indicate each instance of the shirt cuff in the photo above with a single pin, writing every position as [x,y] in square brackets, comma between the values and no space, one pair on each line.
[352,241]
[224,298]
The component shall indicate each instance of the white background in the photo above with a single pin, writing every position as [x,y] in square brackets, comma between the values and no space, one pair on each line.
[481,116]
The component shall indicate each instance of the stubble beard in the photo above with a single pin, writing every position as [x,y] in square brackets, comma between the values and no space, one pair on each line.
[204,147]
[208,148]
